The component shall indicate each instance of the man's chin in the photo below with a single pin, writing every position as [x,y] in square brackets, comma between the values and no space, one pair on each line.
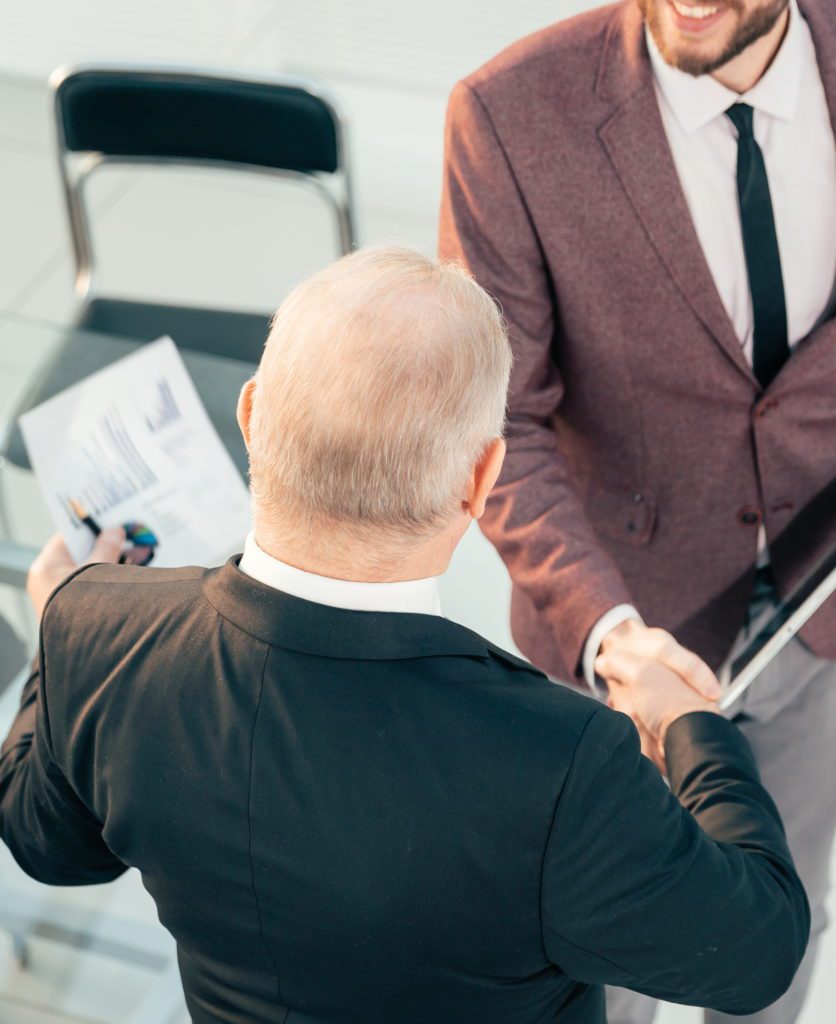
[721,43]
[693,61]
[694,57]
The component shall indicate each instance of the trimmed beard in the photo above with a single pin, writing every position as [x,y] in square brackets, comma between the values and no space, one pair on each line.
[757,24]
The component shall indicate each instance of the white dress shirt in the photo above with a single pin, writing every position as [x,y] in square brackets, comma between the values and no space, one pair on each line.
[421,596]
[793,129]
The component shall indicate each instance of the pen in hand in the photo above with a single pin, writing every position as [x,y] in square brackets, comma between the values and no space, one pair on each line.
[81,513]
[135,554]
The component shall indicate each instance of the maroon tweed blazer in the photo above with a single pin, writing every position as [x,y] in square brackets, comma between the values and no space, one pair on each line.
[642,454]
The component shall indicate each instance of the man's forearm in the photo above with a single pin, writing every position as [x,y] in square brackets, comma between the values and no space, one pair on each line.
[52,834]
[705,753]
[697,903]
[18,742]
[537,523]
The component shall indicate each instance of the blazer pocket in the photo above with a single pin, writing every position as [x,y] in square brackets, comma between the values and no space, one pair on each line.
[622,514]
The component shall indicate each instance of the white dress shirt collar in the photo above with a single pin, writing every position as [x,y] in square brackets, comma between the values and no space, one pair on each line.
[697,101]
[408,596]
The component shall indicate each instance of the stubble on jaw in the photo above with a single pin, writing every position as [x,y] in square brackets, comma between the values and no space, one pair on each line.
[750,27]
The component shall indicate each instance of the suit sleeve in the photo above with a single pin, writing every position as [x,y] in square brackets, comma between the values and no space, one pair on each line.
[534,517]
[687,895]
[50,832]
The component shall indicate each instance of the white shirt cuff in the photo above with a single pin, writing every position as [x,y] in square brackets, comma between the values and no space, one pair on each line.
[609,620]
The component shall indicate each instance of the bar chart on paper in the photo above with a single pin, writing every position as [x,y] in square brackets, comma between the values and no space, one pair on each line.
[134,444]
[166,411]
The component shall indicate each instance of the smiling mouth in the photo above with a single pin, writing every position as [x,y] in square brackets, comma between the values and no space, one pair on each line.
[697,13]
[694,19]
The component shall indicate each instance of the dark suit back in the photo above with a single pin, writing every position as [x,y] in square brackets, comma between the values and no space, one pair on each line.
[361,817]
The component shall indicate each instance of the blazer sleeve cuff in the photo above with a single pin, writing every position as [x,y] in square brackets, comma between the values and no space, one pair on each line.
[608,621]
[701,739]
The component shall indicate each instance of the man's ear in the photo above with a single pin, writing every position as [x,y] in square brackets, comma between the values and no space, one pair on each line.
[245,409]
[484,477]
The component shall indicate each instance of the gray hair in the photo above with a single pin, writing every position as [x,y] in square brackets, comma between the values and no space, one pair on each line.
[383,381]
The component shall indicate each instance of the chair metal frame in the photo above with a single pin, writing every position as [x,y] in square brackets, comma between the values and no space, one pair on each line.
[15,560]
[75,168]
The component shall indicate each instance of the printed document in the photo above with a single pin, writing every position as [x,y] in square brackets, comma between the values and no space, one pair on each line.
[133,445]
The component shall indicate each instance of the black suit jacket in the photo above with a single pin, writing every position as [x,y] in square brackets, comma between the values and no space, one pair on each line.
[381,818]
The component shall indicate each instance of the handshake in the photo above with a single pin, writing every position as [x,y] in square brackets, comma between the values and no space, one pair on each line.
[654,680]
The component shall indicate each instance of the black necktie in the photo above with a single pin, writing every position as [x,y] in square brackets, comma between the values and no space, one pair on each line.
[760,243]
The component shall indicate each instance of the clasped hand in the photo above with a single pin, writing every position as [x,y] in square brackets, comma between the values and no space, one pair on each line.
[654,680]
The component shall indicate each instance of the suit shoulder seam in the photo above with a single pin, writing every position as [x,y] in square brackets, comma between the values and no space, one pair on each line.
[550,834]
[131,582]
[512,663]
[254,887]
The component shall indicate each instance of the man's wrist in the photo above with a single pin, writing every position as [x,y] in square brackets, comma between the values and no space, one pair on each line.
[606,624]
[674,716]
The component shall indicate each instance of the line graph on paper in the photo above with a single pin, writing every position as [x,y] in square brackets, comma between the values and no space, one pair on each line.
[107,467]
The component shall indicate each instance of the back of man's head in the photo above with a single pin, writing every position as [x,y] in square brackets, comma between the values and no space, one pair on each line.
[383,381]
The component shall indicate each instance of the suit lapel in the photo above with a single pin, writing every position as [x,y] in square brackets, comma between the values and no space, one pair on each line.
[635,141]
[807,357]
[814,358]
[823,29]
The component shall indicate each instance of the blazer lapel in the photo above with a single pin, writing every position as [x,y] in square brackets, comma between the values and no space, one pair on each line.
[635,141]
[814,358]
[823,29]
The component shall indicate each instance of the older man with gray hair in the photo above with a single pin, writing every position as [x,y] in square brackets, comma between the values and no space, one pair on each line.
[347,807]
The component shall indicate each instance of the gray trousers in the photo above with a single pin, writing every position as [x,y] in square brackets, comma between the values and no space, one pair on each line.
[789,717]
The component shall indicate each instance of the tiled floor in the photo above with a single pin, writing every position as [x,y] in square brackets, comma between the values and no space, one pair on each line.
[391,74]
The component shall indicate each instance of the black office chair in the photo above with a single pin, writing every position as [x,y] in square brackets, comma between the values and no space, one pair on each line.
[283,127]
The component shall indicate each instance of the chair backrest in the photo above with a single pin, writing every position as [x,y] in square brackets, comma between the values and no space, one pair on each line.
[285,126]
[184,116]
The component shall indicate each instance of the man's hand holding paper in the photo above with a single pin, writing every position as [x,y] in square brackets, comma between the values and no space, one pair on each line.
[55,563]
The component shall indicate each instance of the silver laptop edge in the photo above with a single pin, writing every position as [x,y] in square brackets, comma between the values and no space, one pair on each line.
[752,669]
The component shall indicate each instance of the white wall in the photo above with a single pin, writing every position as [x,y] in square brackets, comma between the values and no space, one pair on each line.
[423,43]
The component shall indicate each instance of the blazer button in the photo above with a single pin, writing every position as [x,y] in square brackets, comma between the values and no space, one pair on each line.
[749,515]
[766,406]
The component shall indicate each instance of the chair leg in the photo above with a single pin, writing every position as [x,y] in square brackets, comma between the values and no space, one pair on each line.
[14,574]
[165,1003]
[20,950]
